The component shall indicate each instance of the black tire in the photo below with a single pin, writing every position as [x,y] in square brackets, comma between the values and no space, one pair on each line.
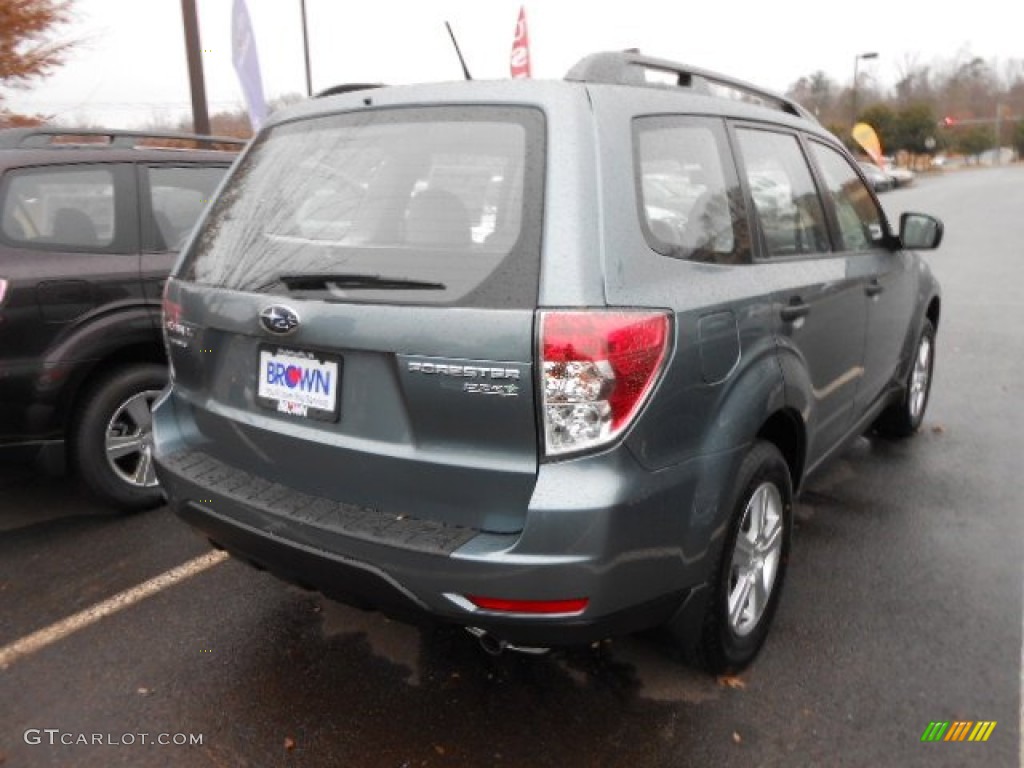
[726,645]
[904,417]
[108,478]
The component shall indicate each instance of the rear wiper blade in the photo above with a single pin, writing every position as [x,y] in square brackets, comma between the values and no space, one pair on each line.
[372,282]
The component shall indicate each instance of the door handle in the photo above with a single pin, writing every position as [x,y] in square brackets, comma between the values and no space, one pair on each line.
[874,288]
[794,310]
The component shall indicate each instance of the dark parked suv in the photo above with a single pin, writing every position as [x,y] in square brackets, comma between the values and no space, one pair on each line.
[90,225]
[547,360]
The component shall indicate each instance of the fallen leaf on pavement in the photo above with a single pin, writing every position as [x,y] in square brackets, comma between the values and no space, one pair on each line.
[289,743]
[732,681]
[736,737]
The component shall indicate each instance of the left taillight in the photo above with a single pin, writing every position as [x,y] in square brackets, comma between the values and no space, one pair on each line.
[598,368]
[3,290]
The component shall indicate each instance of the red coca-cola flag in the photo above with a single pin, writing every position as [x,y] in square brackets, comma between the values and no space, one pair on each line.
[520,61]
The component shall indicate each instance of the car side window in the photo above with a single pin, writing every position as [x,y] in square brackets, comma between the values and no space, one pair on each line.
[177,196]
[785,198]
[68,208]
[690,203]
[860,220]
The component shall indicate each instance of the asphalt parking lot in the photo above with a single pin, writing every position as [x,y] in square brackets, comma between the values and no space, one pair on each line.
[903,606]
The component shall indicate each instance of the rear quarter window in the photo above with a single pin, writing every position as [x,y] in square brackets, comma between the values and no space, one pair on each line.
[70,208]
[690,203]
[177,195]
[443,205]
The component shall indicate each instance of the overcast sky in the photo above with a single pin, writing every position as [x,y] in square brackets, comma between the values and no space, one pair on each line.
[130,68]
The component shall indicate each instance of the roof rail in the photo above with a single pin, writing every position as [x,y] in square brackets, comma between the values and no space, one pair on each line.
[26,138]
[631,68]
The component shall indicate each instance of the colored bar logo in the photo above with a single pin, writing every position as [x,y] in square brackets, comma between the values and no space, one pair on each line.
[958,730]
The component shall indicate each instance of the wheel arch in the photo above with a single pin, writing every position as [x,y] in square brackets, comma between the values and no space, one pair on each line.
[785,430]
[934,311]
[137,353]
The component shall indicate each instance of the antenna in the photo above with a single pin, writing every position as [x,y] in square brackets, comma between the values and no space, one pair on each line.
[462,61]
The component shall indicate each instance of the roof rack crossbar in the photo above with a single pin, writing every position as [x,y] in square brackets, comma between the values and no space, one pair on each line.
[631,67]
[44,137]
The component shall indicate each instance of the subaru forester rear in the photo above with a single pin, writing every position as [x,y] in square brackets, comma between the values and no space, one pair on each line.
[443,350]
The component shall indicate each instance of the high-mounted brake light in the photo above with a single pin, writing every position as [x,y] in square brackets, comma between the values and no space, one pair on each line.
[598,367]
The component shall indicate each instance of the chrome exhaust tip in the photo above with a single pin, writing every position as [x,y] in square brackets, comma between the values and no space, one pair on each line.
[495,646]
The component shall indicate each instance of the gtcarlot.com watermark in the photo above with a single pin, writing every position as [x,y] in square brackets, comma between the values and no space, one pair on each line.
[57,737]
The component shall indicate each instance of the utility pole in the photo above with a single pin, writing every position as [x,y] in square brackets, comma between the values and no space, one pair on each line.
[200,116]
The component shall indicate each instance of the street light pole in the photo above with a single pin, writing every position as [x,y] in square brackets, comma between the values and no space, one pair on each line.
[856,61]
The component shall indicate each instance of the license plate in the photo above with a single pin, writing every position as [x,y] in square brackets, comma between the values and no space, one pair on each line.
[299,383]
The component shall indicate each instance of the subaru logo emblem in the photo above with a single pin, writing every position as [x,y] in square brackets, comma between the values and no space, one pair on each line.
[279,319]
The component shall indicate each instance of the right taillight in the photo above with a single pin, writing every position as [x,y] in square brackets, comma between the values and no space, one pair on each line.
[598,367]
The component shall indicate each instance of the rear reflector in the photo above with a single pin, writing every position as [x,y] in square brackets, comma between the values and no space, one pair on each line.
[500,605]
[598,368]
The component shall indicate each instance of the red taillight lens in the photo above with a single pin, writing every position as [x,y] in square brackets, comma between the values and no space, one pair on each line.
[501,605]
[598,368]
[3,289]
[174,330]
[172,314]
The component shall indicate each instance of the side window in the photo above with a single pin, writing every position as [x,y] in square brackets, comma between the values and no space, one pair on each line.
[784,194]
[59,208]
[177,195]
[690,204]
[860,221]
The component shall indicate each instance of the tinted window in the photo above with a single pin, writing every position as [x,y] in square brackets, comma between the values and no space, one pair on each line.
[177,196]
[69,208]
[689,201]
[443,204]
[860,221]
[784,194]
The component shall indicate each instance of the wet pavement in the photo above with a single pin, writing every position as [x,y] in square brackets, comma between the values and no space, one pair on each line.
[903,606]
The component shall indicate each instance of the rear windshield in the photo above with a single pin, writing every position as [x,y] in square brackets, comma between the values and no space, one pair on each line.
[434,206]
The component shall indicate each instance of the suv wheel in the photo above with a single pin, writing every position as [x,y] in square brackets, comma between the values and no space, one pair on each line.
[752,566]
[903,418]
[112,442]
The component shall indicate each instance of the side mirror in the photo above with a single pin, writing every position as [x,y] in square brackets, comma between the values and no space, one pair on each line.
[919,231]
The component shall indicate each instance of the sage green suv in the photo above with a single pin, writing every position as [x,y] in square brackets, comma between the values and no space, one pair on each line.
[546,360]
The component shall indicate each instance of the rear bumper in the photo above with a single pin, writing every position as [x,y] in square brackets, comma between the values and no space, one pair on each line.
[637,545]
[366,586]
[31,402]
[48,455]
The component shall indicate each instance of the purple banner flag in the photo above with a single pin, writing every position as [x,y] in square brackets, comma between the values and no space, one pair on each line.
[247,64]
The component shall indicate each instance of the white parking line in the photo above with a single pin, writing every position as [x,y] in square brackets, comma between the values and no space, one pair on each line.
[61,629]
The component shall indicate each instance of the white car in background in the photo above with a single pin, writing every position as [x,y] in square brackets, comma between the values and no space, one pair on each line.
[901,177]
